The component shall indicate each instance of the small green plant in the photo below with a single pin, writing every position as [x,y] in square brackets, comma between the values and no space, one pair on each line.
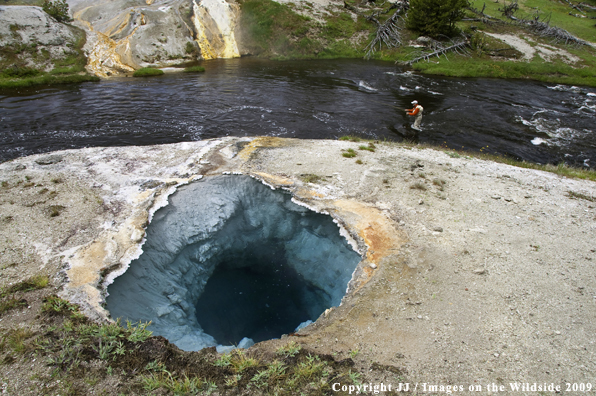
[178,386]
[350,138]
[349,153]
[224,360]
[190,47]
[371,147]
[68,356]
[418,186]
[310,178]
[291,349]
[33,283]
[453,154]
[236,360]
[104,350]
[359,162]
[233,381]
[354,353]
[17,337]
[355,377]
[209,387]
[54,304]
[312,367]
[138,333]
[243,362]
[275,370]
[147,72]
[156,366]
[194,69]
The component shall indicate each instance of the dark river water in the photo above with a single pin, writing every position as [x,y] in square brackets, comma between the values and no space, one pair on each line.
[305,99]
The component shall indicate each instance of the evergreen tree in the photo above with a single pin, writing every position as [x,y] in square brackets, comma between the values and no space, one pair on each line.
[435,17]
[58,9]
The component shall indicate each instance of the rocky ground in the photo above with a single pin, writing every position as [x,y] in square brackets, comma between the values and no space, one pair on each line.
[31,38]
[473,272]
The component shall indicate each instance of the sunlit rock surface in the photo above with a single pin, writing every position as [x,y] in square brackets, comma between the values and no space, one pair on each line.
[126,35]
[240,225]
[215,21]
[31,26]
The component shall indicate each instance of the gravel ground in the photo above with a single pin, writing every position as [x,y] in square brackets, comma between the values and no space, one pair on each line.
[473,272]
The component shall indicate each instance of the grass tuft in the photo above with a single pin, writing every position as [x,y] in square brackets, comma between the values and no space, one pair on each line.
[33,283]
[194,69]
[349,153]
[311,178]
[350,138]
[371,147]
[418,186]
[147,72]
[291,349]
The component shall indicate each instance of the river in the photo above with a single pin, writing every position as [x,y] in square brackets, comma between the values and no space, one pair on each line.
[538,122]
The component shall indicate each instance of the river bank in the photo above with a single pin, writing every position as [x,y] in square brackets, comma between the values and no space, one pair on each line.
[473,272]
[325,30]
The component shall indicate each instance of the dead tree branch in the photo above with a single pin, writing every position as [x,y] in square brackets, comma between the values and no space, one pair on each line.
[541,27]
[485,18]
[370,18]
[574,6]
[388,33]
[584,5]
[460,47]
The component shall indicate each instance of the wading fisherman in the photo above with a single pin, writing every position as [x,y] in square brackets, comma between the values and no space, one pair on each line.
[417,112]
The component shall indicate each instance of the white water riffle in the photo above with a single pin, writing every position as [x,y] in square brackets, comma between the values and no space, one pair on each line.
[231,222]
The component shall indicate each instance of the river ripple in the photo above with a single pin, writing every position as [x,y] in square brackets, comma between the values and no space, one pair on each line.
[305,99]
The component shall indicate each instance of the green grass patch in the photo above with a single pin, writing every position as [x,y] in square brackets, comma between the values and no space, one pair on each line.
[371,147]
[275,30]
[537,69]
[33,283]
[268,26]
[194,69]
[68,70]
[349,153]
[350,138]
[147,72]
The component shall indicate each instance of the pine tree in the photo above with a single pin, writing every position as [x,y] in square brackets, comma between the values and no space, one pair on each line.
[58,9]
[435,17]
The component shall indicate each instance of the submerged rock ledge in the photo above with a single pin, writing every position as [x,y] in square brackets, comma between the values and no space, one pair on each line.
[471,270]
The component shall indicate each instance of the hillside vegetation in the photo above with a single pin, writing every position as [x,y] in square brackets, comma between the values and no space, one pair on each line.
[304,30]
[36,49]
